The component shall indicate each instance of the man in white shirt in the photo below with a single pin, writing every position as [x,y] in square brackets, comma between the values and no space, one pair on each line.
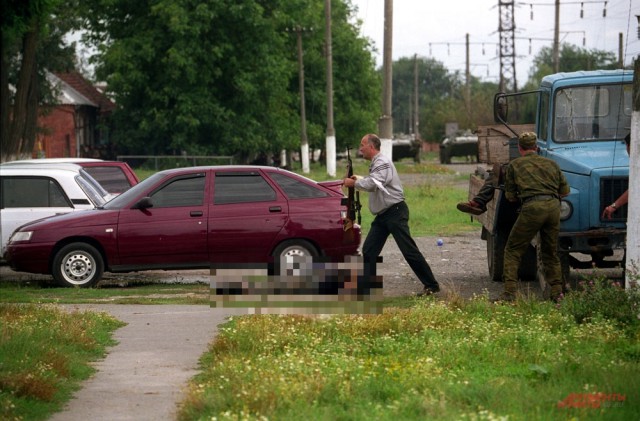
[386,202]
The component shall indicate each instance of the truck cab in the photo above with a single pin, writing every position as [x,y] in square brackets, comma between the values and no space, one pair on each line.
[581,121]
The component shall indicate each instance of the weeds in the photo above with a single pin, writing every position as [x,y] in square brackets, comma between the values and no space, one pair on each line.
[597,298]
[44,353]
[432,360]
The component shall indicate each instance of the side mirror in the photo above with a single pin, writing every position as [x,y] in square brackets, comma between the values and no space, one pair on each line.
[143,203]
[500,108]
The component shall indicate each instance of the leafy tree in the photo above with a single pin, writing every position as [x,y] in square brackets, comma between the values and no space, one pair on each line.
[441,98]
[572,58]
[219,78]
[32,36]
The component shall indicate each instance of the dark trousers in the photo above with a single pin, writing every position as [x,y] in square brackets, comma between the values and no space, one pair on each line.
[395,221]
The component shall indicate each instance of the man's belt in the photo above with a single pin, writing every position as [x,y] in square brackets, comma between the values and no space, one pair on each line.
[539,197]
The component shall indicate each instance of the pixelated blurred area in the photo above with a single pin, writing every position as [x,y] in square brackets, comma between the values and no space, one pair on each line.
[300,286]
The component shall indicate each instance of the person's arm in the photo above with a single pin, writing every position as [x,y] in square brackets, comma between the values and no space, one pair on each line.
[563,188]
[510,188]
[622,200]
[381,174]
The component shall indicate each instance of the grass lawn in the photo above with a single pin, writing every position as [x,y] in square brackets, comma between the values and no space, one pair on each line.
[457,360]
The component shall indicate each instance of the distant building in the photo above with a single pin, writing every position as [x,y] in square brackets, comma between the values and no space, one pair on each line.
[78,124]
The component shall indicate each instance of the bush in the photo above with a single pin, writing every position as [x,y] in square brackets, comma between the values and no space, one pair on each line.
[599,298]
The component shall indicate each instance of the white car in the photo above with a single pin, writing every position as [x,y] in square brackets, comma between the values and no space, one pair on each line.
[114,176]
[28,193]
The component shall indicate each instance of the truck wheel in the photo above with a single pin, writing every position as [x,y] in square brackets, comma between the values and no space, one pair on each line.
[444,156]
[567,282]
[495,255]
[77,265]
[565,270]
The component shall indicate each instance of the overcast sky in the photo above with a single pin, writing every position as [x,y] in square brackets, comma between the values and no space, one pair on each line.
[437,29]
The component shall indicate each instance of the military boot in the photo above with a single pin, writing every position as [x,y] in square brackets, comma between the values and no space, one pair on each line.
[556,292]
[509,294]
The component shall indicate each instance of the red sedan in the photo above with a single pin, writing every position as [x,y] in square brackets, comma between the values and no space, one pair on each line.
[190,218]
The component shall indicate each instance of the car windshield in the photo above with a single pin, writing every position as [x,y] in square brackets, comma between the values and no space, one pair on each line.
[125,198]
[592,113]
[96,198]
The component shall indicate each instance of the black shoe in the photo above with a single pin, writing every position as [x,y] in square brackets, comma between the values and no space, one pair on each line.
[428,291]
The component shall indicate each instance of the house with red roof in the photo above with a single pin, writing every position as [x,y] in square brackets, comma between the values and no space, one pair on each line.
[78,123]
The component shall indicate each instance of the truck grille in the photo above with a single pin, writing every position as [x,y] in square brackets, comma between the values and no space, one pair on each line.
[610,189]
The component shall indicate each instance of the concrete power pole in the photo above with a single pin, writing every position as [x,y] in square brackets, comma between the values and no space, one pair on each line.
[304,142]
[416,110]
[330,143]
[620,51]
[633,217]
[556,40]
[385,123]
[467,84]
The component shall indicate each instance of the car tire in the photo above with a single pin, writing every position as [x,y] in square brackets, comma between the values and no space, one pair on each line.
[289,254]
[78,265]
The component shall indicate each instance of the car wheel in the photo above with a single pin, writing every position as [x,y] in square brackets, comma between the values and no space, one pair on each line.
[78,265]
[291,255]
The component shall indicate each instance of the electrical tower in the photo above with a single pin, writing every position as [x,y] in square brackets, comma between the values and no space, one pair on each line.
[507,33]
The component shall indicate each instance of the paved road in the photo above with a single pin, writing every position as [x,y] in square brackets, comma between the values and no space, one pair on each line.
[144,376]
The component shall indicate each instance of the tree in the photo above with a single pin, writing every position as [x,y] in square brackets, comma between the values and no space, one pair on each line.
[31,35]
[441,98]
[219,78]
[572,58]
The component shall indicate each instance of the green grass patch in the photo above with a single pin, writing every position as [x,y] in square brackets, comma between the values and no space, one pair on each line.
[130,293]
[44,354]
[463,360]
[432,203]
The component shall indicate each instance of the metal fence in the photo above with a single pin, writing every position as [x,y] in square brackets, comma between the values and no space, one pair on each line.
[163,162]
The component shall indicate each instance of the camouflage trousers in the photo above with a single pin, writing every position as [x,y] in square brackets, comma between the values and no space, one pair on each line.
[535,216]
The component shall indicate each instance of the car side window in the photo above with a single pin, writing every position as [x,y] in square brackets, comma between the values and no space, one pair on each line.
[32,192]
[181,191]
[296,189]
[241,187]
[112,179]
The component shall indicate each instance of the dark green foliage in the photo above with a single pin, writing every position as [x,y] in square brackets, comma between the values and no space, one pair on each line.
[599,298]
[214,78]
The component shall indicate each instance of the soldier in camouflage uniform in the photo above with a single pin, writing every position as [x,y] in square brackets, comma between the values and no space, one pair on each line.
[538,184]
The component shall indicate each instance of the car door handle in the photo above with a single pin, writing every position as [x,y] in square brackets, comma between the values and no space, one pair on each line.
[275,209]
[195,213]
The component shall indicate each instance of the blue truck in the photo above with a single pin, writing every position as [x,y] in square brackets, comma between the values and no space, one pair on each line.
[581,119]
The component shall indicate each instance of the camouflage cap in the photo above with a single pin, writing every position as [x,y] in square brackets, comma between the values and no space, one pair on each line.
[527,140]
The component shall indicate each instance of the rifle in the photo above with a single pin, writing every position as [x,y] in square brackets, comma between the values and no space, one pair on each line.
[353,199]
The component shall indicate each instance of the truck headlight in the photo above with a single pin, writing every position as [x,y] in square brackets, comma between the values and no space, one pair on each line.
[21,236]
[566,210]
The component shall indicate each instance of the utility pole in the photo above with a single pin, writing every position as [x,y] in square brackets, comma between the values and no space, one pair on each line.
[633,218]
[385,122]
[330,143]
[467,87]
[304,142]
[416,115]
[556,40]
[506,30]
[620,51]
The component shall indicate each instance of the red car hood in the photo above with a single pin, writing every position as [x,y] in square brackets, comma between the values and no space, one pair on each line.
[83,218]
